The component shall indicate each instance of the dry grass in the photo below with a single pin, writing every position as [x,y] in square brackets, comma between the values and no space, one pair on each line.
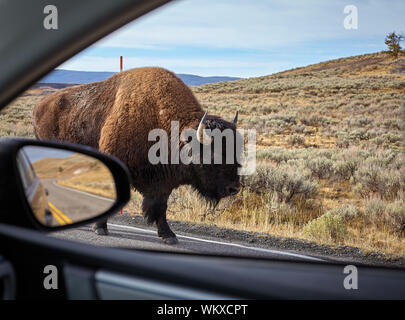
[99,182]
[78,172]
[338,124]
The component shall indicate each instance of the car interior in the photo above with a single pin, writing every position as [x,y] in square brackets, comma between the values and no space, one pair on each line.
[90,272]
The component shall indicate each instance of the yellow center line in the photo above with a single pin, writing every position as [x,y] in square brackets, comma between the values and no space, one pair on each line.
[61,222]
[60,215]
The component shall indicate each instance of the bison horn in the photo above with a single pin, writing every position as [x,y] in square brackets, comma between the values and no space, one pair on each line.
[202,137]
[235,120]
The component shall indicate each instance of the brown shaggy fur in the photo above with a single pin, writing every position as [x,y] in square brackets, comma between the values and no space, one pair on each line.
[116,116]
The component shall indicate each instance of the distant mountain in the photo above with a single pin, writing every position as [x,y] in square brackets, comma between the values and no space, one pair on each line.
[78,77]
[193,80]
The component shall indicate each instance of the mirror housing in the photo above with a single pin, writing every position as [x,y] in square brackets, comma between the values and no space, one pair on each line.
[14,206]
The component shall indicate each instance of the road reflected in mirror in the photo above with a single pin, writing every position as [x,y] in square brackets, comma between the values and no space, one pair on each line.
[64,187]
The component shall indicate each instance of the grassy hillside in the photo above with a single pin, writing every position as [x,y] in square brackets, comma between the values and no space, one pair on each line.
[322,106]
[331,167]
[330,134]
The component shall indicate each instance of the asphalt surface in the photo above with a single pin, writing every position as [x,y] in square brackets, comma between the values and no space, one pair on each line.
[73,205]
[133,237]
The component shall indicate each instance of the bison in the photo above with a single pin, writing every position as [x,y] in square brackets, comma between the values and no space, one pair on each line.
[115,116]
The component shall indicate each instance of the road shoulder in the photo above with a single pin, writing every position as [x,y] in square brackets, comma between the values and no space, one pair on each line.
[342,254]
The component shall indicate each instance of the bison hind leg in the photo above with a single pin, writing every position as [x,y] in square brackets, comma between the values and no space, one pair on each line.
[154,210]
[100,227]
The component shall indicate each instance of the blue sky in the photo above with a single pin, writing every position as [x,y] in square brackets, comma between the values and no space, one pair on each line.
[243,38]
[36,153]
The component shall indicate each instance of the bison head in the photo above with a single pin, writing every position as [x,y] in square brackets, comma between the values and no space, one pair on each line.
[216,175]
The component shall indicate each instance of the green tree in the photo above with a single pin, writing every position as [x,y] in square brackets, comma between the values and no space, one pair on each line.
[392,40]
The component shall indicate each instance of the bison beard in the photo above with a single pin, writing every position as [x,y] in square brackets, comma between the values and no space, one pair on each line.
[116,115]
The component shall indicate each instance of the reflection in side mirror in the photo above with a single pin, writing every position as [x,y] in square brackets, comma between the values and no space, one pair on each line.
[64,187]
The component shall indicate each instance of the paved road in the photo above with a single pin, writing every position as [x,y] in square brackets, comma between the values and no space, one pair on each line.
[126,236]
[69,205]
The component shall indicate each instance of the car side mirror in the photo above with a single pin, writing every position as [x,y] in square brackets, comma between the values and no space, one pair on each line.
[59,185]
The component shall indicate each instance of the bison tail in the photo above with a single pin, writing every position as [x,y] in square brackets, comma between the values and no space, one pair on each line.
[35,134]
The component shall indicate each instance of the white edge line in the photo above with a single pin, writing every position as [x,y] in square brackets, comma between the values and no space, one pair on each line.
[227,244]
[82,192]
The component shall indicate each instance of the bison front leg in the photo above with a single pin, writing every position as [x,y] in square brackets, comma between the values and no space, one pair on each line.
[154,210]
